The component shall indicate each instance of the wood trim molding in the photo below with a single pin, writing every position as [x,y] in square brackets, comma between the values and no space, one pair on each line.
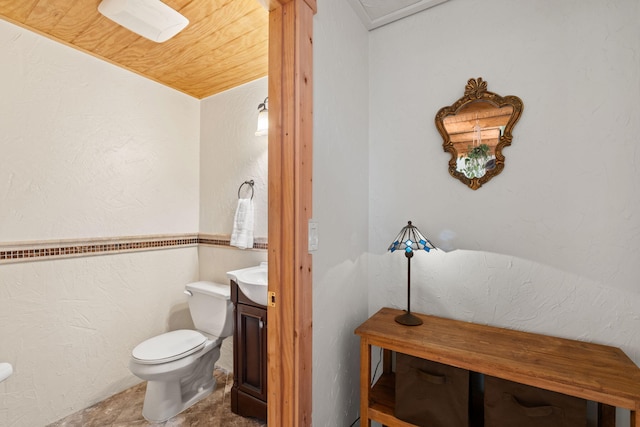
[289,335]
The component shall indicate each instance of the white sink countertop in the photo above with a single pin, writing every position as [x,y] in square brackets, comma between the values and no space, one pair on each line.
[253,282]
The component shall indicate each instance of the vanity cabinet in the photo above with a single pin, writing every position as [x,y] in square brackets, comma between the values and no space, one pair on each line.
[249,391]
[593,372]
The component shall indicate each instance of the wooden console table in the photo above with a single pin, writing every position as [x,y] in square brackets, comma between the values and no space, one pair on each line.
[593,372]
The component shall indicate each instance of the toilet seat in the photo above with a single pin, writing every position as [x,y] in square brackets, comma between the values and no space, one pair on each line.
[168,347]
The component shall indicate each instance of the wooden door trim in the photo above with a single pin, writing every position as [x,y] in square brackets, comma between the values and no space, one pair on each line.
[289,334]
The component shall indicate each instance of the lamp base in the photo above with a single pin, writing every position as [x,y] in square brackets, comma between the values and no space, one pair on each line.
[408,319]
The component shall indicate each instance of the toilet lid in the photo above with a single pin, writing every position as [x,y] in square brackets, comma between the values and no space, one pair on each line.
[169,346]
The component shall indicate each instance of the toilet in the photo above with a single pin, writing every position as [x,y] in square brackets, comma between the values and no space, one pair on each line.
[178,365]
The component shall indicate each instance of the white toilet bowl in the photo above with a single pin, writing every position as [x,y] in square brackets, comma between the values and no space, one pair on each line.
[178,365]
[175,381]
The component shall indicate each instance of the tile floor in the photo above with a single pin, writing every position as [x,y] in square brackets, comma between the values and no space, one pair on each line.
[125,410]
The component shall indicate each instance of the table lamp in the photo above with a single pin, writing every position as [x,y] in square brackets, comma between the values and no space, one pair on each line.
[410,240]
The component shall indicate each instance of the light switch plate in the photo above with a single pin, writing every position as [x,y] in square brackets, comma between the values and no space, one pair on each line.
[313,236]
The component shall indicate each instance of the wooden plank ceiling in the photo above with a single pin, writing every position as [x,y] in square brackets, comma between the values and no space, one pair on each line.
[224,45]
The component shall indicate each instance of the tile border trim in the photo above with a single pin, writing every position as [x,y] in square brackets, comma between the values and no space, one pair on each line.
[28,251]
[225,240]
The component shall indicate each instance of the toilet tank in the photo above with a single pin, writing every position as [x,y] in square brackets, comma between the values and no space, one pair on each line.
[211,308]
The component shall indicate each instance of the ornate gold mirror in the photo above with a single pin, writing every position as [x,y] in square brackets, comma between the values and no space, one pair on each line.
[475,129]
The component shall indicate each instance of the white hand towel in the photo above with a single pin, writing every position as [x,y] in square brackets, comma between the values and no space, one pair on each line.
[242,235]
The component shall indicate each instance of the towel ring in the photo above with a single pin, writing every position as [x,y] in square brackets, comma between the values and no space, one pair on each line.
[250,184]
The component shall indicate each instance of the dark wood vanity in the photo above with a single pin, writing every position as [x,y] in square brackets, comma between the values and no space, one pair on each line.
[249,391]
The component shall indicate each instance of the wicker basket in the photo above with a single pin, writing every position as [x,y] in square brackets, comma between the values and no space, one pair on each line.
[431,394]
[511,404]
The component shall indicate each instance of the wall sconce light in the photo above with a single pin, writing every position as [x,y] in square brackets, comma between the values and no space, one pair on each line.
[151,19]
[263,118]
[409,240]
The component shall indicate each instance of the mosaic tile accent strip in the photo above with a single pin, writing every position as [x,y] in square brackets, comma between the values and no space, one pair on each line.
[214,241]
[36,251]
[257,245]
[217,240]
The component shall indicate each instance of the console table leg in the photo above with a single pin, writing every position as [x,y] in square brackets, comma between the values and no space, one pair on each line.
[635,419]
[365,381]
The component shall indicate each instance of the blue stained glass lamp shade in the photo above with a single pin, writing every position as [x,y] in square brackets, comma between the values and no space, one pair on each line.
[408,241]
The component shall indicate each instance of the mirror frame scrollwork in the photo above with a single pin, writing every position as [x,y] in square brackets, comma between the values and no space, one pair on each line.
[476,91]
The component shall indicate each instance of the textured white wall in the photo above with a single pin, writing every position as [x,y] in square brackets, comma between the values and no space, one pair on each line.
[87,150]
[68,327]
[230,154]
[550,245]
[340,203]
[90,149]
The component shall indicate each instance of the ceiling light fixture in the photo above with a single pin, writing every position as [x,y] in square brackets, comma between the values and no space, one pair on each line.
[151,19]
